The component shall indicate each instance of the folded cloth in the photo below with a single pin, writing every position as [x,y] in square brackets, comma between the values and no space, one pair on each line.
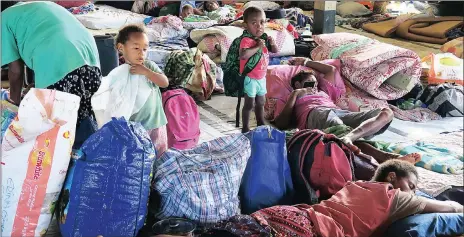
[82,9]
[429,29]
[386,28]
[414,115]
[434,158]
[338,130]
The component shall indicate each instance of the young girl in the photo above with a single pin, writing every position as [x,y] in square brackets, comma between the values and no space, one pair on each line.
[132,42]
[254,43]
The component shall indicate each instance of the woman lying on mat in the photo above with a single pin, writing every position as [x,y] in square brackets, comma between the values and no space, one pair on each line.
[360,208]
[55,45]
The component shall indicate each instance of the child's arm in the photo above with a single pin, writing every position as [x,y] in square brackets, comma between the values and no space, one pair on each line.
[158,78]
[246,53]
[274,48]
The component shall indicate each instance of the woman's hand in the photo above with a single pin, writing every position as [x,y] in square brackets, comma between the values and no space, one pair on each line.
[298,61]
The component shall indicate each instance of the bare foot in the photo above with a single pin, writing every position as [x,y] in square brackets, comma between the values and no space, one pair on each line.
[412,158]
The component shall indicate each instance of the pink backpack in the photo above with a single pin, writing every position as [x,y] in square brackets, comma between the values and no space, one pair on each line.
[183,126]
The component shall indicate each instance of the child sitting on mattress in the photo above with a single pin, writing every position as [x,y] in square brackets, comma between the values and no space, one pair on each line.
[132,42]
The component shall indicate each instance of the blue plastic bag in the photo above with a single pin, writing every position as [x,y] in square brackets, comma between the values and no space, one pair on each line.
[106,189]
[267,179]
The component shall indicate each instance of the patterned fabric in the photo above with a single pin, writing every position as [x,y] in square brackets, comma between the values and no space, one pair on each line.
[179,67]
[239,225]
[83,82]
[159,138]
[169,20]
[222,15]
[291,221]
[434,158]
[377,68]
[415,115]
[233,80]
[84,9]
[356,100]
[201,184]
[297,18]
[198,25]
[9,112]
[203,78]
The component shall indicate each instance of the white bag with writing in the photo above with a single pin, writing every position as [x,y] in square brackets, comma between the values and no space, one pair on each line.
[36,150]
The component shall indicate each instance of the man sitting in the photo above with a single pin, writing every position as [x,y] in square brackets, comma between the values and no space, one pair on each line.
[311,103]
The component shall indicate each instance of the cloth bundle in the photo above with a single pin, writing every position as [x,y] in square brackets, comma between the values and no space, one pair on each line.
[193,70]
[424,29]
[384,71]
[434,158]
[202,183]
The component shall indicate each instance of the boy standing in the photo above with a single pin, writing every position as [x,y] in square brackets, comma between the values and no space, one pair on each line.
[253,50]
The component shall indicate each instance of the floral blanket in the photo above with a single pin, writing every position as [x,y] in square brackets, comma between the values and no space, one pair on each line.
[382,70]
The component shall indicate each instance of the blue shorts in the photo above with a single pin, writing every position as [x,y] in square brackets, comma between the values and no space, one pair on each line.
[253,87]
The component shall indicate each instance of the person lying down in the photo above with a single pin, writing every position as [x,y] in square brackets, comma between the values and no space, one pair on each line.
[361,208]
[312,103]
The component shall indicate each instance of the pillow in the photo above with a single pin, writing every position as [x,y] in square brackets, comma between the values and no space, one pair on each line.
[278,80]
[352,9]
[278,83]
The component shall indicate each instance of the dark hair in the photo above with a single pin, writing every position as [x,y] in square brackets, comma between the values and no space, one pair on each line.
[299,77]
[206,9]
[400,167]
[7,4]
[251,11]
[126,31]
